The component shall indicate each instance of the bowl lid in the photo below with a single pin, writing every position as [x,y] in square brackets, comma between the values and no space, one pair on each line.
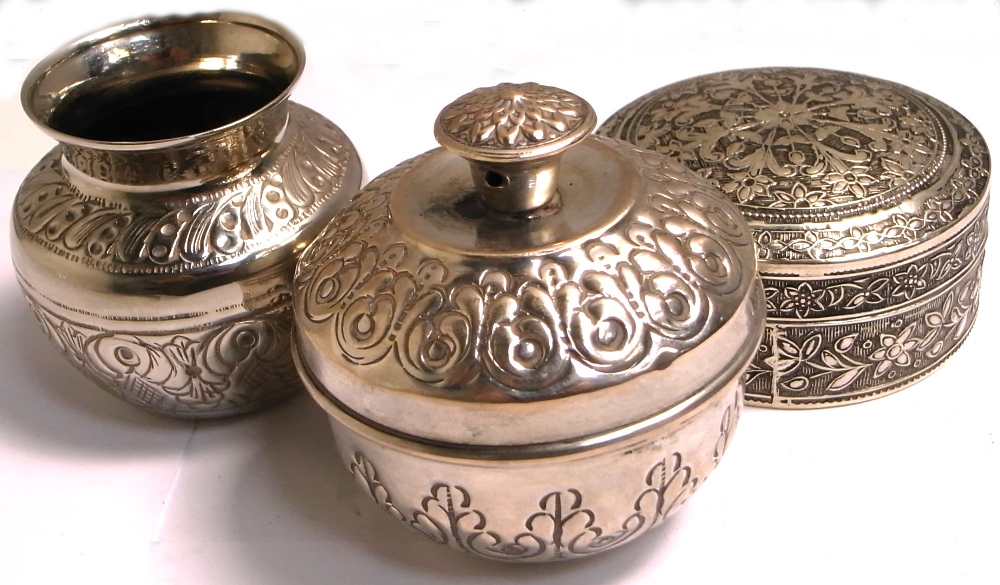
[829,167]
[492,292]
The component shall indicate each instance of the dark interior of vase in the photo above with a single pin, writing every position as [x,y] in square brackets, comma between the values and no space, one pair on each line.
[186,79]
[163,107]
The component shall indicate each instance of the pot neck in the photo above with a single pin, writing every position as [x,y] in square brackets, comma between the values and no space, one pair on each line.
[215,156]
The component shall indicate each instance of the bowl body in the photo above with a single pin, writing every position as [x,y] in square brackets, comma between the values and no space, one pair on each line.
[550,503]
[531,389]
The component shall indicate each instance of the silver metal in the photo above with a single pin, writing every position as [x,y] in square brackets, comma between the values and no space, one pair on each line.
[156,243]
[482,365]
[868,204]
[511,135]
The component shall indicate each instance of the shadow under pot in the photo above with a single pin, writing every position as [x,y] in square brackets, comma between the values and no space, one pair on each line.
[156,243]
[867,201]
[530,342]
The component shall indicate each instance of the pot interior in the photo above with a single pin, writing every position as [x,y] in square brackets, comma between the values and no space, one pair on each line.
[157,80]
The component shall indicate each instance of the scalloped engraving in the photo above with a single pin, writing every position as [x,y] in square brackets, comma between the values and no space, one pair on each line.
[628,301]
[180,234]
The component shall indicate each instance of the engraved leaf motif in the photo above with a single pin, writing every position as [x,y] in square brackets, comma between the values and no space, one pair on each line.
[844,381]
[784,366]
[831,360]
[846,342]
[856,301]
[811,346]
[788,348]
[796,384]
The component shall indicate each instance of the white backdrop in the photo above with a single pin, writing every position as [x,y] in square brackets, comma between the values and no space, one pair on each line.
[903,489]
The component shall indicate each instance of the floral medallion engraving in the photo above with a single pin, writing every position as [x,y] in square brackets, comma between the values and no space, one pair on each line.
[798,146]
[798,139]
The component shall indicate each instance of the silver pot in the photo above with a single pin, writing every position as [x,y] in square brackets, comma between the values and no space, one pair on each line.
[156,243]
[530,342]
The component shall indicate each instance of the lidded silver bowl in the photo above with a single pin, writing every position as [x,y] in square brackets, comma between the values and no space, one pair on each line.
[530,342]
[156,243]
[868,203]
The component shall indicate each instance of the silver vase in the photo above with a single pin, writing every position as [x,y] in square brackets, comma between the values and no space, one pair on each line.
[156,243]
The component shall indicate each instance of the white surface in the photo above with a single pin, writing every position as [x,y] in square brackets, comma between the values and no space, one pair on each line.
[900,490]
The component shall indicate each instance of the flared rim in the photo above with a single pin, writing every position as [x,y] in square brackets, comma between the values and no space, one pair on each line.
[39,104]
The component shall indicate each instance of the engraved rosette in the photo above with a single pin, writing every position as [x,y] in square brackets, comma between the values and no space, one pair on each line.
[868,202]
[549,308]
[161,267]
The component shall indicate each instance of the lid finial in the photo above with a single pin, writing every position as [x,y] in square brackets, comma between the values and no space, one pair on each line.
[512,136]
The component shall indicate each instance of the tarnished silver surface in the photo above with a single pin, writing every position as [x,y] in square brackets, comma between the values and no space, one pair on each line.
[519,329]
[868,204]
[158,258]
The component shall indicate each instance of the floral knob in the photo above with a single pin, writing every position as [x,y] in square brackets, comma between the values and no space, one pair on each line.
[512,136]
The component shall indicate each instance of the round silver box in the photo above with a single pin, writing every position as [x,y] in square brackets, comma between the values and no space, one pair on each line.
[868,204]
[530,342]
[156,243]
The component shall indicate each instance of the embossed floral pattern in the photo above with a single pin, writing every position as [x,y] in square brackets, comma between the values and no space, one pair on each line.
[187,378]
[799,197]
[801,300]
[854,180]
[744,187]
[895,350]
[855,294]
[909,283]
[513,115]
[819,362]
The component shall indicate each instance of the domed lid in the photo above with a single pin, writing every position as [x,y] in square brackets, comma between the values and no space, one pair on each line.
[568,285]
[829,167]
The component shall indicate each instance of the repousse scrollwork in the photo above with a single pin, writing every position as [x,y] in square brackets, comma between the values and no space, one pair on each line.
[180,234]
[224,367]
[562,527]
[633,298]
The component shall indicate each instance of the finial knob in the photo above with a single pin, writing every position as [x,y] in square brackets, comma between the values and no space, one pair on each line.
[512,136]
